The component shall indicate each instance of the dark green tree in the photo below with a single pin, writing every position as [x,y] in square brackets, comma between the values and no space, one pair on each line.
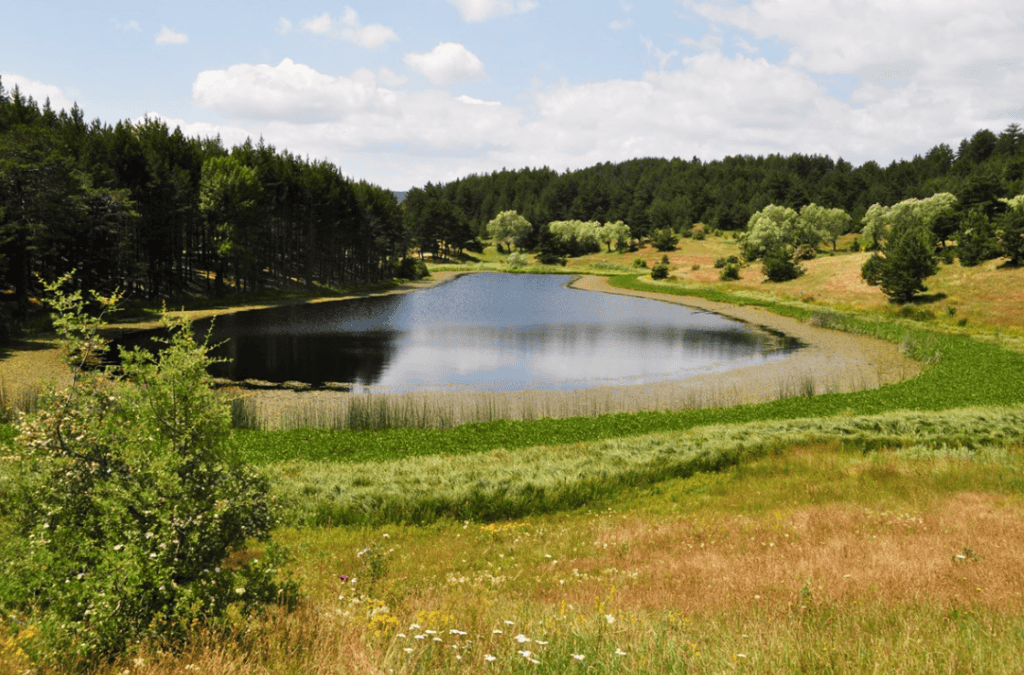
[908,257]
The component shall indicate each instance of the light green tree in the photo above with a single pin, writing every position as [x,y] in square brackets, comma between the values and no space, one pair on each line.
[611,233]
[818,222]
[770,228]
[933,212]
[508,227]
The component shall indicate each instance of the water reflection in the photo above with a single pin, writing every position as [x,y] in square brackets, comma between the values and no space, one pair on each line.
[490,332]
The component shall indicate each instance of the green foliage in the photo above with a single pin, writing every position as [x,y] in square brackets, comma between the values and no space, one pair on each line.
[976,241]
[125,502]
[664,239]
[412,269]
[731,272]
[516,260]
[871,270]
[508,227]
[908,257]
[229,197]
[1012,234]
[778,264]
[639,263]
[659,271]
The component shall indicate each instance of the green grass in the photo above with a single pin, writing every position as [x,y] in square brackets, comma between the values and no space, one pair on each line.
[501,484]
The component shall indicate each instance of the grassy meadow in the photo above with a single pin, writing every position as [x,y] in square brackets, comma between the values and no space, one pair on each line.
[871,531]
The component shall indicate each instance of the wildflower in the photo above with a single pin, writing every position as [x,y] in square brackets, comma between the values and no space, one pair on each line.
[540,642]
[521,638]
[414,626]
[240,591]
[497,631]
[343,578]
[401,635]
[489,658]
[526,653]
[579,657]
[419,637]
[609,618]
[118,547]
[742,656]
[407,650]
[620,652]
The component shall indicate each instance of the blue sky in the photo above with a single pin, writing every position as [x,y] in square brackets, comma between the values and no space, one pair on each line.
[401,93]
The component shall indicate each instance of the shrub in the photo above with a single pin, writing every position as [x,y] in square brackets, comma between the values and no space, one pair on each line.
[551,258]
[719,263]
[778,264]
[730,272]
[126,503]
[516,260]
[1012,235]
[664,240]
[640,263]
[659,271]
[412,269]
[871,270]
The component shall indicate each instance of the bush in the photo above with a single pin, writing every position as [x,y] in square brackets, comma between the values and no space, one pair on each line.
[778,264]
[639,263]
[730,272]
[412,269]
[871,270]
[126,503]
[664,240]
[659,271]
[516,260]
[551,258]
[719,263]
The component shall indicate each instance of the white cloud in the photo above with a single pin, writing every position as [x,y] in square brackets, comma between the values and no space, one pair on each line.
[843,36]
[348,28]
[481,10]
[166,36]
[300,108]
[288,90]
[447,62]
[284,26]
[37,90]
[131,25]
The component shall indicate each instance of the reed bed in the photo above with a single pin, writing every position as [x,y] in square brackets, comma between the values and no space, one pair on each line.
[278,409]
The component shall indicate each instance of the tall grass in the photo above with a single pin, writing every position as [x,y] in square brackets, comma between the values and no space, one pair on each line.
[447,409]
[24,399]
[501,484]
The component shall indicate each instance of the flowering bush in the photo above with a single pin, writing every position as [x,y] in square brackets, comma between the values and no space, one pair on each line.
[125,504]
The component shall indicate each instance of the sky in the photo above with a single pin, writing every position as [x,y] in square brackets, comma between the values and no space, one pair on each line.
[403,92]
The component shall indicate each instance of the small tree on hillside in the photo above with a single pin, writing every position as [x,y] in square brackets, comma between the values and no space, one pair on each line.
[508,227]
[908,258]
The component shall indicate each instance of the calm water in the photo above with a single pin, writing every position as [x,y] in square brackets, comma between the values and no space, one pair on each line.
[492,332]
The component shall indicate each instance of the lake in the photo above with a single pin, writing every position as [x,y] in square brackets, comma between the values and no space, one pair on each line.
[487,332]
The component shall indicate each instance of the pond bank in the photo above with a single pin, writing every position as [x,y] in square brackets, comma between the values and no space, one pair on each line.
[831,361]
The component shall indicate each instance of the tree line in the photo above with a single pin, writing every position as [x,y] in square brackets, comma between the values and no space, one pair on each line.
[656,194]
[149,210]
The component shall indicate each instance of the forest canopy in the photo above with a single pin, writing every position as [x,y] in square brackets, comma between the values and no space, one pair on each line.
[142,207]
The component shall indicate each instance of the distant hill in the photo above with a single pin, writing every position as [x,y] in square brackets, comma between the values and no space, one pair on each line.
[400,196]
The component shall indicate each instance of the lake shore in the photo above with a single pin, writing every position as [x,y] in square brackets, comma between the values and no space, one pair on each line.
[831,361]
[27,363]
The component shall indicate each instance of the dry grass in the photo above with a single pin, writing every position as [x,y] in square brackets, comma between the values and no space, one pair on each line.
[815,560]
